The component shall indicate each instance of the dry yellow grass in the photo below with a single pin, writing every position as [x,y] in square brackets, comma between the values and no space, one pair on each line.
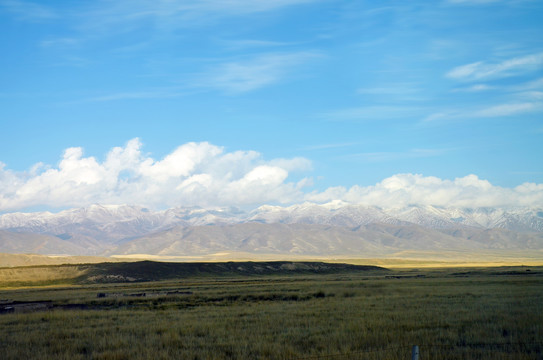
[474,314]
[39,274]
[404,259]
[14,260]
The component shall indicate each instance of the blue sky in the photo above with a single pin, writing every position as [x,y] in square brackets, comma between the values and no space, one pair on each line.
[318,98]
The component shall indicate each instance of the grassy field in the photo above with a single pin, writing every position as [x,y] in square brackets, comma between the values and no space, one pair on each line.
[471,313]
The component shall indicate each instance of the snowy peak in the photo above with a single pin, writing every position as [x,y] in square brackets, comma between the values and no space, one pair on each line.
[333,228]
[118,222]
[351,215]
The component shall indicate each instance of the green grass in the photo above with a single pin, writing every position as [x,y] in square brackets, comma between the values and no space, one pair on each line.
[450,314]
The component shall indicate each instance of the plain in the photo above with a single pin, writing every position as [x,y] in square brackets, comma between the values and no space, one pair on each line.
[470,313]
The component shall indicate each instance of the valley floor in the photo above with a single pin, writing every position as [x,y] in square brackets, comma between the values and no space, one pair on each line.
[459,313]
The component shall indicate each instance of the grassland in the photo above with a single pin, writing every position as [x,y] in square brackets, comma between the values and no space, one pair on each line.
[471,313]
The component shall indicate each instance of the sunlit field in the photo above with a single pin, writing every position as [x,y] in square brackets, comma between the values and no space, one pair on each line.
[483,313]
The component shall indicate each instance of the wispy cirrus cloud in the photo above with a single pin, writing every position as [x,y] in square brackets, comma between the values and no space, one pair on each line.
[60,42]
[329,146]
[230,77]
[373,112]
[509,109]
[103,18]
[165,93]
[242,44]
[174,14]
[475,88]
[473,2]
[513,97]
[391,89]
[482,70]
[29,11]
[536,84]
[492,111]
[245,75]
[382,156]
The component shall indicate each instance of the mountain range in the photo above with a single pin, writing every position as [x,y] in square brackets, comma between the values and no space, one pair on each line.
[334,228]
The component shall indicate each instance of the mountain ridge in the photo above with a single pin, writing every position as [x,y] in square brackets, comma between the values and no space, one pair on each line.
[317,229]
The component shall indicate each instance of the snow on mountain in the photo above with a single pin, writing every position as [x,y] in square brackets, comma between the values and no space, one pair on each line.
[521,219]
[125,221]
[335,227]
[327,214]
[113,223]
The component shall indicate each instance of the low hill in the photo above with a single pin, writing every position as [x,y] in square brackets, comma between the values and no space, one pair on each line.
[156,271]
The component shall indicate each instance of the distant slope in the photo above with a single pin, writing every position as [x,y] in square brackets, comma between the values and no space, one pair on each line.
[335,228]
[251,237]
[20,243]
[321,240]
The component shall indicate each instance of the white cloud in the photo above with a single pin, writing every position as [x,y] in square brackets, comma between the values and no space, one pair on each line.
[473,2]
[391,89]
[108,16]
[251,74]
[27,10]
[531,85]
[60,42]
[251,43]
[204,174]
[169,7]
[475,88]
[508,109]
[368,113]
[501,110]
[295,164]
[328,146]
[405,189]
[193,174]
[391,155]
[481,70]
[534,95]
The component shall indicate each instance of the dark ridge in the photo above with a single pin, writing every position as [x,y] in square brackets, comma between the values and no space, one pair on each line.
[154,271]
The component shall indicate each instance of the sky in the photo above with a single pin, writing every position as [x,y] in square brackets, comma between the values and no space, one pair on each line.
[212,103]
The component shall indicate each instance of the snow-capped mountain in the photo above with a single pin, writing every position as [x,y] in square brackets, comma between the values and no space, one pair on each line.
[112,223]
[342,214]
[308,227]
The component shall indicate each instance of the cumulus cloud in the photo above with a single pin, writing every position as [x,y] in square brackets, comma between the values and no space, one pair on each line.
[414,189]
[193,174]
[203,174]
